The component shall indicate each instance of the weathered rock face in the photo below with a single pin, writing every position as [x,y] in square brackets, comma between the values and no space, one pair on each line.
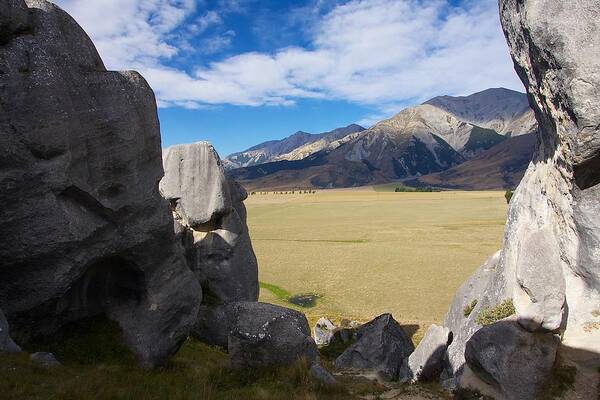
[210,219]
[427,361]
[511,359]
[6,342]
[380,347]
[550,261]
[84,228]
[264,335]
[323,331]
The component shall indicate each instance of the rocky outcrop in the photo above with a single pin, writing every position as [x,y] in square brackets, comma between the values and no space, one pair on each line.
[263,335]
[323,331]
[515,362]
[427,361]
[210,218]
[6,343]
[380,347]
[550,263]
[84,228]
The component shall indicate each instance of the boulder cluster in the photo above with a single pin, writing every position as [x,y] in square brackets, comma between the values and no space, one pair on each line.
[86,228]
[529,318]
[532,311]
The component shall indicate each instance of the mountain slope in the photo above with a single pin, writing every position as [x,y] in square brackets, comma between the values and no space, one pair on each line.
[428,139]
[505,111]
[284,149]
[502,166]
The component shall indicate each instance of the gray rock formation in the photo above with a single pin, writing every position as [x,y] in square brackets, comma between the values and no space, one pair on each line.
[514,361]
[264,335]
[46,360]
[322,375]
[323,331]
[550,261]
[84,228]
[427,361]
[6,343]
[210,219]
[380,347]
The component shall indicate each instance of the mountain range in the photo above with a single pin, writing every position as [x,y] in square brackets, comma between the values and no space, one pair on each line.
[468,142]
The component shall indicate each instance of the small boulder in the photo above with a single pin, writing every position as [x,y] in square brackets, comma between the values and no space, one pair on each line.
[380,346]
[264,335]
[322,375]
[46,360]
[323,331]
[6,343]
[510,359]
[427,361]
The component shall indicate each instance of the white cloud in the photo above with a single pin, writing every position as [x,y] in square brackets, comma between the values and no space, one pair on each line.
[374,52]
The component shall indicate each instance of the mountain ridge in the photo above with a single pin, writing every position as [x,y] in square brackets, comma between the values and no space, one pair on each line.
[430,138]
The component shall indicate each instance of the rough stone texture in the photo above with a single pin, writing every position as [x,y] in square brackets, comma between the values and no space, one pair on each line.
[488,288]
[322,375]
[427,361]
[14,19]
[6,342]
[511,359]
[84,228]
[380,347]
[550,261]
[323,331]
[265,335]
[210,219]
[46,360]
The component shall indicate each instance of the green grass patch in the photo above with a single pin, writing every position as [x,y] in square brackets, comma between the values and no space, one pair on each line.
[490,315]
[279,292]
[469,308]
[304,300]
[198,371]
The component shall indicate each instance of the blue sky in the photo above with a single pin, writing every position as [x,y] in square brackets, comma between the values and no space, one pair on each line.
[238,72]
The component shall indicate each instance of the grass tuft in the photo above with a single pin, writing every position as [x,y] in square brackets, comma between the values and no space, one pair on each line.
[503,310]
[469,308]
[198,371]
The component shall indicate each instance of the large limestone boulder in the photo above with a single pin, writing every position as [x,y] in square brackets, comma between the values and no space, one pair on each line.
[427,361]
[550,262]
[210,219]
[84,228]
[380,347]
[263,335]
[515,362]
[6,343]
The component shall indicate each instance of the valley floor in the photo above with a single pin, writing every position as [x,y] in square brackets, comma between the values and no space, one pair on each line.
[363,252]
[366,252]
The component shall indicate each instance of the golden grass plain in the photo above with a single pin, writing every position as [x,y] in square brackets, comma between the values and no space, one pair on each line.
[368,252]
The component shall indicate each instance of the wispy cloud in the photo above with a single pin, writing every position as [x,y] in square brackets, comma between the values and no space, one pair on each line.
[374,52]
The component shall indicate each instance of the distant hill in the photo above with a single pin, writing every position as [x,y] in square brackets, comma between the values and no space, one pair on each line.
[442,134]
[501,167]
[289,148]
